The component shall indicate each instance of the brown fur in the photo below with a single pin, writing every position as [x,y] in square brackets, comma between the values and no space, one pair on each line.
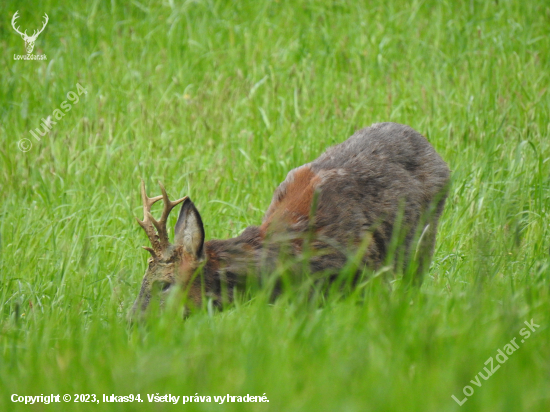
[292,201]
[381,175]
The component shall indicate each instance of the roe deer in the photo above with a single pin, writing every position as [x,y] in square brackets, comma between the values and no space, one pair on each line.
[383,176]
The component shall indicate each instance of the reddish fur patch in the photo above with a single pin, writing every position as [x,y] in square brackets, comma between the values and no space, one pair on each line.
[192,286]
[186,267]
[212,261]
[295,202]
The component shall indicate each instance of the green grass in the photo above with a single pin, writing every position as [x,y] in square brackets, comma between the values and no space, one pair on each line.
[219,100]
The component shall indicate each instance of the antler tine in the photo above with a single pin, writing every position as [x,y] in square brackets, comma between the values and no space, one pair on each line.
[147,201]
[15,17]
[148,219]
[161,224]
[151,251]
[43,26]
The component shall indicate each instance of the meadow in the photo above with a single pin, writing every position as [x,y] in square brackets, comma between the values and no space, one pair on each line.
[219,100]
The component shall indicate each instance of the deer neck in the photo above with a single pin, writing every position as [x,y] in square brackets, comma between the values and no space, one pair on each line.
[233,260]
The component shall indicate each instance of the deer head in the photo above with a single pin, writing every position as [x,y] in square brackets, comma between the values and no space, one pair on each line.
[29,40]
[170,265]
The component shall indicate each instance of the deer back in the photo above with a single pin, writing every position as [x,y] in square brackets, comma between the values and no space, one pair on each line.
[359,188]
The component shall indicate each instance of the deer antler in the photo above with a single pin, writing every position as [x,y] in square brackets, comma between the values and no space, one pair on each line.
[15,17]
[160,241]
[35,34]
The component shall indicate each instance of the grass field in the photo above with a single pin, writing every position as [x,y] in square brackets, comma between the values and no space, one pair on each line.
[219,100]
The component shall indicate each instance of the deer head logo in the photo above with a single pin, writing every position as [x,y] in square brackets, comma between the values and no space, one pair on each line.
[29,40]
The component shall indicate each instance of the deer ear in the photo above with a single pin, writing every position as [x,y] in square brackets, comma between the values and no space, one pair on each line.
[189,231]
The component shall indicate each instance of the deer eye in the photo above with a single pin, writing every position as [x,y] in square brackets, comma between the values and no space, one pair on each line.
[163,286]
